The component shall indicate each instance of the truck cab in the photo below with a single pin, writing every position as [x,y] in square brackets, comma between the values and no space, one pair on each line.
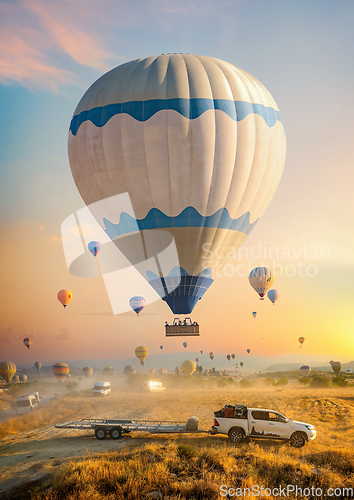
[239,422]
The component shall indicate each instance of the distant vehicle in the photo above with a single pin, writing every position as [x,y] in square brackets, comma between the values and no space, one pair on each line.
[153,387]
[25,404]
[102,389]
[239,422]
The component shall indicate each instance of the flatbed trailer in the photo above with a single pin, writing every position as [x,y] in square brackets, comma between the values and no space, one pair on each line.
[116,428]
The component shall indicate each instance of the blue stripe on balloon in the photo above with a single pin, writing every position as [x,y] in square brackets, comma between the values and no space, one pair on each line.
[189,108]
[189,217]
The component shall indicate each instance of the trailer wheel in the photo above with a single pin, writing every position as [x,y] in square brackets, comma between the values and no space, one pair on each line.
[116,432]
[101,433]
[236,435]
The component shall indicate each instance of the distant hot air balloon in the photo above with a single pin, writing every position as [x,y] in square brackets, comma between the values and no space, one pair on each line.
[38,365]
[228,357]
[60,370]
[254,314]
[161,347]
[336,367]
[185,344]
[273,295]
[87,371]
[199,369]
[233,356]
[23,378]
[94,247]
[162,371]
[15,379]
[305,370]
[178,370]
[137,304]
[248,350]
[197,360]
[348,371]
[28,342]
[301,340]
[141,352]
[188,367]
[152,371]
[201,352]
[64,297]
[196,144]
[108,371]
[129,370]
[261,280]
[241,364]
[7,370]
[211,354]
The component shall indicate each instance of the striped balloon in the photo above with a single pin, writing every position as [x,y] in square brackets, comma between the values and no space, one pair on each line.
[28,342]
[94,247]
[261,280]
[60,370]
[141,352]
[108,371]
[137,304]
[7,370]
[197,144]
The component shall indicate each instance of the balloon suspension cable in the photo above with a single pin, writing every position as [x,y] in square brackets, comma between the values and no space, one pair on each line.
[98,266]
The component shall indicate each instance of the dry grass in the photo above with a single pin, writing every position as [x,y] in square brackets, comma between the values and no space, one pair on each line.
[190,467]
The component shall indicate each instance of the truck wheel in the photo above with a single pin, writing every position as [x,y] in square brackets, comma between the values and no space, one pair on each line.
[297,440]
[116,432]
[236,435]
[101,433]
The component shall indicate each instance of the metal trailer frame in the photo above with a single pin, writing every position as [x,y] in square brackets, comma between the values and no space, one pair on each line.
[116,428]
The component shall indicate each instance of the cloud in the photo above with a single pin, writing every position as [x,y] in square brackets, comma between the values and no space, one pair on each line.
[40,40]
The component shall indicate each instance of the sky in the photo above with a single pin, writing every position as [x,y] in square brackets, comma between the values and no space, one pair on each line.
[51,52]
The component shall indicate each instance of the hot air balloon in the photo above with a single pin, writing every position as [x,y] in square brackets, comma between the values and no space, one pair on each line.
[273,295]
[141,353]
[188,367]
[185,345]
[348,371]
[87,371]
[60,370]
[233,356]
[254,314]
[161,347]
[64,297]
[108,371]
[23,378]
[336,367]
[178,370]
[201,352]
[228,357]
[261,279]
[137,304]
[211,354]
[94,247]
[241,364]
[199,369]
[197,360]
[200,154]
[15,379]
[38,365]
[28,342]
[129,370]
[248,350]
[7,370]
[301,340]
[162,371]
[152,371]
[305,370]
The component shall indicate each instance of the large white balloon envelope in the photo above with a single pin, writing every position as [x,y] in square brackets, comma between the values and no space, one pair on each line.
[197,144]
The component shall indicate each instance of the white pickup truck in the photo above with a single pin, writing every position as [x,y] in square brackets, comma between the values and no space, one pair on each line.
[239,422]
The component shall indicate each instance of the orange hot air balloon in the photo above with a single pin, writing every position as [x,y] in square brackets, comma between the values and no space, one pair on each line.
[60,370]
[141,352]
[301,340]
[28,342]
[64,297]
